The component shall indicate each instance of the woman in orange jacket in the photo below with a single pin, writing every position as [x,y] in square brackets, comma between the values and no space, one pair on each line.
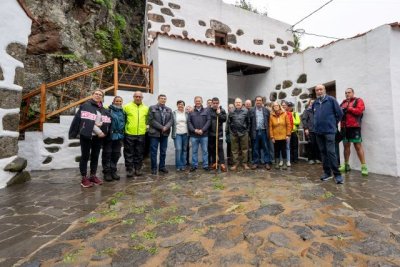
[280,131]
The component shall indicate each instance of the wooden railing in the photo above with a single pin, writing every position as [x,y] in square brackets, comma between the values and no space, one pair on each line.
[61,96]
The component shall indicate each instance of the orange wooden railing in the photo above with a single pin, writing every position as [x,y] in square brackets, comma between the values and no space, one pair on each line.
[72,91]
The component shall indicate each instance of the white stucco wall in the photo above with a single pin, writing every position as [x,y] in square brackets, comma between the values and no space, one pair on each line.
[15,27]
[395,86]
[253,25]
[363,63]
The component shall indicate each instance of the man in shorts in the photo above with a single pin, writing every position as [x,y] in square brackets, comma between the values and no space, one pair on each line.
[353,109]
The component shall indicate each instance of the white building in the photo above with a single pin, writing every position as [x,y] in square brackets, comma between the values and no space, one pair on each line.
[210,48]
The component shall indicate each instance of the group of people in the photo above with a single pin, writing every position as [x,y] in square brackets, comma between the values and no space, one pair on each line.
[256,136]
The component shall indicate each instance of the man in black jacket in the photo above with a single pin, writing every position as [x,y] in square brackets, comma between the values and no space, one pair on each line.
[238,127]
[160,122]
[199,122]
[216,111]
[259,126]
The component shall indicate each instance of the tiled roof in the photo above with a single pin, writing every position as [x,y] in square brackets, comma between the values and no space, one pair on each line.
[227,47]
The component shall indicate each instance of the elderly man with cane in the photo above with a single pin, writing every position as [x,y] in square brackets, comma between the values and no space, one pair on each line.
[215,135]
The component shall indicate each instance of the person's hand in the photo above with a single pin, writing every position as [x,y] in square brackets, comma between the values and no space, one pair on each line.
[200,132]
[98,124]
[164,129]
[287,138]
[218,110]
[273,140]
[306,132]
[101,135]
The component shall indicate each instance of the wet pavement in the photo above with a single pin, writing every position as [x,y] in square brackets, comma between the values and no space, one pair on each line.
[257,218]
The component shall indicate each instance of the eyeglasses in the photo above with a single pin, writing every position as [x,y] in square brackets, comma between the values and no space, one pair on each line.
[347,93]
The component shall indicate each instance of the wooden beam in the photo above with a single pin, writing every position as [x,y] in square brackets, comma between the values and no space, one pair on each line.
[43,105]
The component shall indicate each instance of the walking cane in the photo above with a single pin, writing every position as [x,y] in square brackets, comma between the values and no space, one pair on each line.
[216,147]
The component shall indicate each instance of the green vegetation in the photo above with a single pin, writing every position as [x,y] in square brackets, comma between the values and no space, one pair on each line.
[120,21]
[138,210]
[296,39]
[149,235]
[67,57]
[151,250]
[176,220]
[134,236]
[128,221]
[248,6]
[108,251]
[106,3]
[71,257]
[91,220]
[327,195]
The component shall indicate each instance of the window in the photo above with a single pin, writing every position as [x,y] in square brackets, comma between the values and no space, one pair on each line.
[220,38]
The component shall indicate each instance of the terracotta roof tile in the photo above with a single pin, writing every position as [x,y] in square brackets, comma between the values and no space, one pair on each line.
[236,49]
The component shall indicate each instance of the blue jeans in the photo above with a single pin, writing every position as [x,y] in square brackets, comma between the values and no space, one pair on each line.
[203,142]
[326,144]
[180,141]
[154,142]
[261,143]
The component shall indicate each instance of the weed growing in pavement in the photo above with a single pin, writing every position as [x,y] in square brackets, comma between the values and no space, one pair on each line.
[91,220]
[138,210]
[108,251]
[149,235]
[149,219]
[176,220]
[71,257]
[134,236]
[151,250]
[128,221]
[327,195]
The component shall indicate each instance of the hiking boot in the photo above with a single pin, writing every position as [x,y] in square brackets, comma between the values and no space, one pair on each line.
[163,170]
[288,164]
[214,166]
[107,177]
[339,179]
[223,167]
[154,172]
[254,166]
[267,166]
[96,180]
[115,176]
[325,177]
[277,165]
[344,168]
[364,170]
[85,182]
[138,172]
[234,167]
[285,165]
[246,167]
[129,173]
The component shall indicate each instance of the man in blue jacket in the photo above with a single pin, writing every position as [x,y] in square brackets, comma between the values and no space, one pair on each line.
[327,115]
[199,122]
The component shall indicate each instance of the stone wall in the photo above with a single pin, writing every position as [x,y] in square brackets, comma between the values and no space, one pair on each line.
[15,27]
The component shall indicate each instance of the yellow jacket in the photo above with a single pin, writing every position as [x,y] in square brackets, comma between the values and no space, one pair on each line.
[136,118]
[279,126]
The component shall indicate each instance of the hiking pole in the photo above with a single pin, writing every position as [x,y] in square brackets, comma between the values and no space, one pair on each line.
[216,147]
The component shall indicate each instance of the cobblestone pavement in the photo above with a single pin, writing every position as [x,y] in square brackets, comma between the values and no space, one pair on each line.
[257,218]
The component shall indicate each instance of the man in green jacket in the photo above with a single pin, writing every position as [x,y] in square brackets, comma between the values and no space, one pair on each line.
[135,130]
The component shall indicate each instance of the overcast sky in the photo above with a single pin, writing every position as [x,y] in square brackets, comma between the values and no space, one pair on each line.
[340,18]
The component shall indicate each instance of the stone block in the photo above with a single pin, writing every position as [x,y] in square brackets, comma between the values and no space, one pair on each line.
[19,178]
[52,149]
[16,165]
[272,46]
[180,23]
[286,84]
[278,87]
[8,146]
[1,74]
[232,39]
[157,2]
[302,78]
[239,32]
[174,6]
[296,91]
[290,43]
[167,11]
[285,48]
[50,141]
[156,18]
[165,28]
[219,26]
[19,76]
[11,122]
[17,51]
[282,95]
[276,53]
[10,99]
[279,41]
[202,23]
[47,160]
[185,33]
[258,41]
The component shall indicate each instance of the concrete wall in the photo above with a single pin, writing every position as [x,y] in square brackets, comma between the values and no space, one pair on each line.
[15,27]
[258,33]
[365,64]
[395,86]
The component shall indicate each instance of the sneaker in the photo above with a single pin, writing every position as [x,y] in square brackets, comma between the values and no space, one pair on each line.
[288,164]
[277,165]
[115,176]
[96,180]
[318,162]
[206,169]
[107,177]
[364,170]
[311,162]
[193,169]
[129,173]
[246,167]
[281,163]
[325,177]
[254,166]
[344,168]
[154,172]
[267,166]
[339,179]
[85,182]
[285,165]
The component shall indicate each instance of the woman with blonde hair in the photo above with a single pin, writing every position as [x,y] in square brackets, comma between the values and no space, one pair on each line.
[279,131]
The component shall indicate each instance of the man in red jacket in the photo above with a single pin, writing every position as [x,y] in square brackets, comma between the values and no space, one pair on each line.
[353,109]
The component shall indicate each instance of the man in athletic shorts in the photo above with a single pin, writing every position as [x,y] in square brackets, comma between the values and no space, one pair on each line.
[353,109]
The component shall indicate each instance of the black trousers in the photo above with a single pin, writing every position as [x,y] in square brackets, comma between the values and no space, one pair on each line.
[212,149]
[90,150]
[312,147]
[294,147]
[110,155]
[134,151]
[280,147]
